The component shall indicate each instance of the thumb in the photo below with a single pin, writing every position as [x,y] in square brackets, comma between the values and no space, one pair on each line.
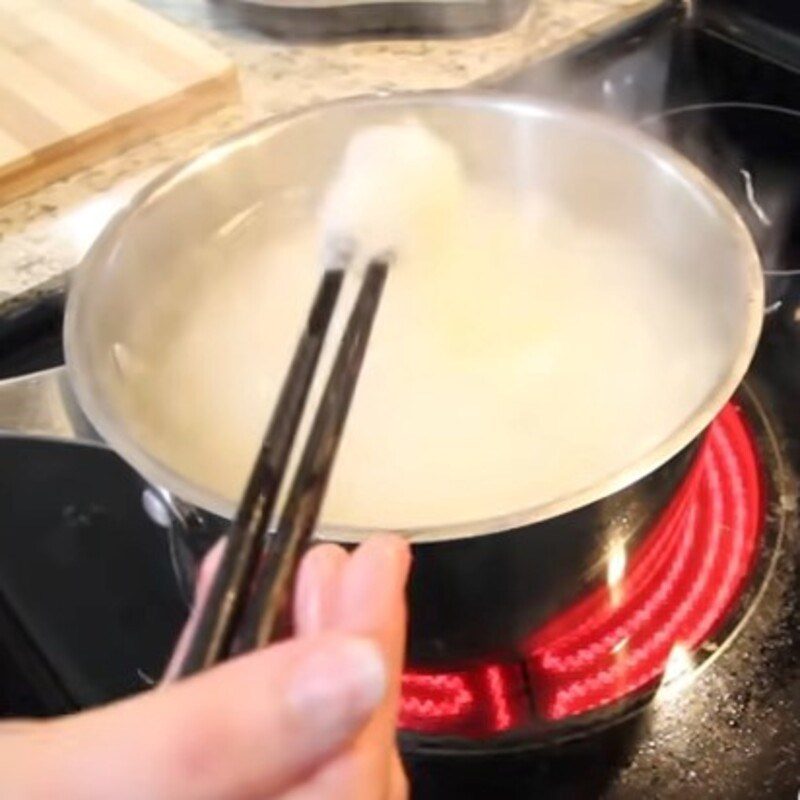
[246,729]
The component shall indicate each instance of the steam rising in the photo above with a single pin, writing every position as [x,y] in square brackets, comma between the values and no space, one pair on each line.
[650,86]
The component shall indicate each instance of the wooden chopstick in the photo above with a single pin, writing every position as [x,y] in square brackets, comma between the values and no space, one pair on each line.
[220,615]
[267,615]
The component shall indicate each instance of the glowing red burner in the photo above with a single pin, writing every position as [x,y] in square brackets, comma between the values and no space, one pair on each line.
[484,700]
[674,590]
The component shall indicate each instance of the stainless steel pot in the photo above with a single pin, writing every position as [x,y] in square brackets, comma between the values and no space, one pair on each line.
[611,174]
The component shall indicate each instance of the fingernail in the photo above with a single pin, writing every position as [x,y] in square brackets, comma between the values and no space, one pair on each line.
[336,689]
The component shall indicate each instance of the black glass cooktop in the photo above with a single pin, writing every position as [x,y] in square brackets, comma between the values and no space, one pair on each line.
[721,82]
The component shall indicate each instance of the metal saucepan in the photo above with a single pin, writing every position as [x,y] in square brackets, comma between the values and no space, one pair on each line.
[471,594]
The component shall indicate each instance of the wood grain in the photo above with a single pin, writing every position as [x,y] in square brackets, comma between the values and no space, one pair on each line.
[82,79]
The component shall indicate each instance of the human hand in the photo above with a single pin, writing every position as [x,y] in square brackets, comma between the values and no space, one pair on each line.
[311,718]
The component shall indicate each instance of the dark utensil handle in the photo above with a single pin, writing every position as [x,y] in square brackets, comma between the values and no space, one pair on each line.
[220,614]
[267,615]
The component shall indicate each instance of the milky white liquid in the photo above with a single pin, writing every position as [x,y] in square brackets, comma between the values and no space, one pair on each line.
[519,359]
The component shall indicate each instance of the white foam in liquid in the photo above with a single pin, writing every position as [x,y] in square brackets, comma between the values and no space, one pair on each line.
[398,190]
[518,356]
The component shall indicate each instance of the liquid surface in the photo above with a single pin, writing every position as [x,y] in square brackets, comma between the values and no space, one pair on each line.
[520,358]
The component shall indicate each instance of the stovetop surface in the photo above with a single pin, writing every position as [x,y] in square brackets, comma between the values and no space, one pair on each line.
[733,732]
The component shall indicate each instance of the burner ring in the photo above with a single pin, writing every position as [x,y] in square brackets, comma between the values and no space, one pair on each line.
[686,592]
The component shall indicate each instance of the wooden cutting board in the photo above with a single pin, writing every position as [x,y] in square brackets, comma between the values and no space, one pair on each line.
[82,79]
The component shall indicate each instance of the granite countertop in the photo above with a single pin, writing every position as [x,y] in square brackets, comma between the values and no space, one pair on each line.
[46,233]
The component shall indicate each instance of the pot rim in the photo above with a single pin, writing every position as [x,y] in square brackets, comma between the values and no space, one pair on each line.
[107,422]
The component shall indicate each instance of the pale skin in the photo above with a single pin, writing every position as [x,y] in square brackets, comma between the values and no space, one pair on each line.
[312,718]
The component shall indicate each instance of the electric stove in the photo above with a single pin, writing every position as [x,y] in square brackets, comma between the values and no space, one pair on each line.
[678,673]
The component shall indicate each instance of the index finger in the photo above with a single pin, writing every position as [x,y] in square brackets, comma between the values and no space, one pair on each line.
[371,603]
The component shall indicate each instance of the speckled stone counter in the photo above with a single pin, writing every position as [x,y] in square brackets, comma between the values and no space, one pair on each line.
[46,233]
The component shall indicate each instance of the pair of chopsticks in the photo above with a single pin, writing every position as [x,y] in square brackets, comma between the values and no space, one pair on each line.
[249,603]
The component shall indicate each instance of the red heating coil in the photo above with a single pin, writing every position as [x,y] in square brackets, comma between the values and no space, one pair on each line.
[483,700]
[676,589]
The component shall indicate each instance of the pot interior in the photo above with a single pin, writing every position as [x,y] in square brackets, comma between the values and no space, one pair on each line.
[444,439]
